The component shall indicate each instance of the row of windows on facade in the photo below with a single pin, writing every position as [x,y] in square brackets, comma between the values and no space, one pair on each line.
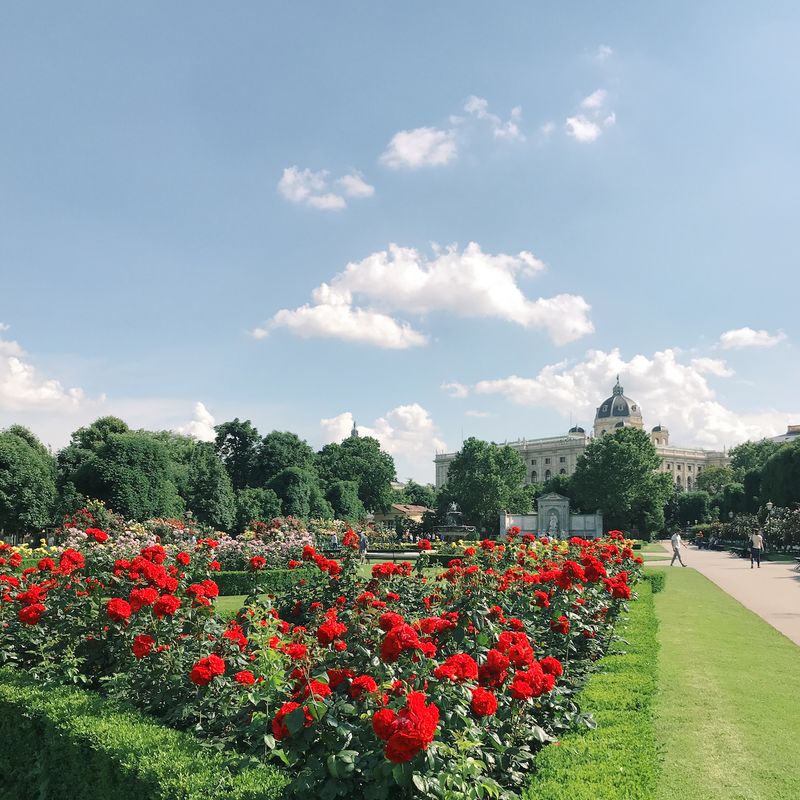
[547,475]
[561,460]
[689,467]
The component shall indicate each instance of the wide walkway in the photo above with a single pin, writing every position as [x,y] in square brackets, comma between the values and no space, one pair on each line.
[772,592]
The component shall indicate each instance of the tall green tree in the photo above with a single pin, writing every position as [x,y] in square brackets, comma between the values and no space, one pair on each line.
[485,479]
[237,445]
[417,494]
[780,476]
[345,502]
[617,474]
[714,479]
[255,504]
[359,459]
[280,450]
[295,487]
[210,496]
[749,456]
[133,475]
[27,482]
[693,507]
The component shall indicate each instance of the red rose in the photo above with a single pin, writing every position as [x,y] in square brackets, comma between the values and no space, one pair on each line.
[31,615]
[527,684]
[458,668]
[142,597]
[167,604]
[214,566]
[560,625]
[119,610]
[245,677]
[205,669]
[70,560]
[494,670]
[552,666]
[484,703]
[296,651]
[330,629]
[97,534]
[413,730]
[383,722]
[257,562]
[400,638]
[423,544]
[390,620]
[142,645]
[183,558]
[46,564]
[279,730]
[337,676]
[314,689]
[362,685]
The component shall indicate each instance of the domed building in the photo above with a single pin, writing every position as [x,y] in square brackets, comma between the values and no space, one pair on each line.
[558,455]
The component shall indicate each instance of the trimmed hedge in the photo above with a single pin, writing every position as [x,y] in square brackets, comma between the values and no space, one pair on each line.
[60,743]
[618,758]
[657,578]
[268,581]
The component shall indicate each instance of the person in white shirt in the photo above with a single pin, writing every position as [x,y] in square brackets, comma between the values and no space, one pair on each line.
[676,549]
[756,548]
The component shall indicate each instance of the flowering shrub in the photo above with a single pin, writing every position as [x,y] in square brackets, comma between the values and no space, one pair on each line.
[438,687]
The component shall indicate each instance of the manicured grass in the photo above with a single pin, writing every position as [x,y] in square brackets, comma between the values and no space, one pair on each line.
[651,547]
[728,701]
[618,759]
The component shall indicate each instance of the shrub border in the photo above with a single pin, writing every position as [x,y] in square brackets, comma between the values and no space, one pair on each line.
[619,758]
[66,743]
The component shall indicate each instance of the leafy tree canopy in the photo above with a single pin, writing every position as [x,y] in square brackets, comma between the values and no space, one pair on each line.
[359,459]
[210,496]
[485,479]
[749,456]
[617,474]
[280,450]
[780,476]
[27,482]
[345,502]
[714,479]
[237,444]
[255,504]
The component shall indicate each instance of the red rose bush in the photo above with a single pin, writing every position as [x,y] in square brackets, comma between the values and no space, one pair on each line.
[435,686]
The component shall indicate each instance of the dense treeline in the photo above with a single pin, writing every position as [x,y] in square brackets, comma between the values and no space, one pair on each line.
[239,477]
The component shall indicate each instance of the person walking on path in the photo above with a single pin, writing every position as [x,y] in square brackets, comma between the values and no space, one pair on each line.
[756,548]
[676,549]
[363,543]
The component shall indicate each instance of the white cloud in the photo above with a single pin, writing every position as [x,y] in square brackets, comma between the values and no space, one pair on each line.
[420,147]
[595,100]
[747,337]
[478,414]
[712,366]
[336,320]
[478,107]
[588,127]
[201,426]
[457,390]
[314,188]
[603,53]
[467,283]
[22,388]
[407,432]
[669,392]
[548,128]
[354,185]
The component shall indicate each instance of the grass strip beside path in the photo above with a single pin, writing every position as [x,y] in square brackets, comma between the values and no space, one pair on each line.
[618,759]
[728,703]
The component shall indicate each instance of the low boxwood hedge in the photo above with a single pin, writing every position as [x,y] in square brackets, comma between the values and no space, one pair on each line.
[267,581]
[60,743]
[619,757]
[657,578]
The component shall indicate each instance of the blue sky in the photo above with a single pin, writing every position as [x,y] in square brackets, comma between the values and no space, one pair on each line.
[172,195]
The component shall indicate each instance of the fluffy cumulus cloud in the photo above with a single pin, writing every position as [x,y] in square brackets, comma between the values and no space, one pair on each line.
[747,337]
[22,387]
[201,426]
[467,283]
[478,107]
[603,53]
[420,147]
[592,118]
[319,190]
[407,432]
[669,391]
[458,390]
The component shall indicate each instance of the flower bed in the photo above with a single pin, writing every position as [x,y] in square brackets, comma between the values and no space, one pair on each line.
[397,683]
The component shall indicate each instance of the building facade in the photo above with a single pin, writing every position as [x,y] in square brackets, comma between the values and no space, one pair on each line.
[558,455]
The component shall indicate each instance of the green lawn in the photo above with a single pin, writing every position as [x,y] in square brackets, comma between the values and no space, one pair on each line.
[727,711]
